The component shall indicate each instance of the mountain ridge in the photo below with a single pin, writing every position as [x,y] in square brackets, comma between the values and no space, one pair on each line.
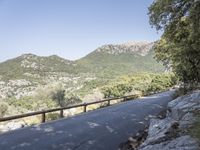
[99,66]
[122,45]
[141,48]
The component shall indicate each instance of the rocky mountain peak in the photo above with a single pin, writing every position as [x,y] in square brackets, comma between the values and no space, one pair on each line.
[142,48]
[134,43]
[28,55]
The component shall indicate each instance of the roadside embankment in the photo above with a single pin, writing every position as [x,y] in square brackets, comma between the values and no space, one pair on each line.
[179,130]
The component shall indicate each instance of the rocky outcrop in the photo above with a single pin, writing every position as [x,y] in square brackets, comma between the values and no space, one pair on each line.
[172,133]
[140,48]
[180,143]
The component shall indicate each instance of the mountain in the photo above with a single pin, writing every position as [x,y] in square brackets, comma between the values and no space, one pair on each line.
[27,64]
[121,59]
[21,76]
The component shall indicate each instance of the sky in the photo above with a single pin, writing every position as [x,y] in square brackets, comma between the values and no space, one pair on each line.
[70,28]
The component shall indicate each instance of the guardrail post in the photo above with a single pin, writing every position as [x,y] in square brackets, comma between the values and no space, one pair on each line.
[43,118]
[61,113]
[85,107]
[108,102]
[125,98]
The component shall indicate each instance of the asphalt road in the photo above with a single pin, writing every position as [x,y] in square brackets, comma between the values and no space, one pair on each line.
[102,129]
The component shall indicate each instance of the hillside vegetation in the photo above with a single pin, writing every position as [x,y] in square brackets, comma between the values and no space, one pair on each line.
[117,60]
[21,76]
[139,84]
[55,95]
[31,83]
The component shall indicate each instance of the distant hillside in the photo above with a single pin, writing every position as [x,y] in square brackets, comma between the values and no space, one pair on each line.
[122,59]
[29,65]
[22,75]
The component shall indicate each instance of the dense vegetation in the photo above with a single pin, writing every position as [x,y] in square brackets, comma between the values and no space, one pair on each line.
[55,95]
[139,84]
[44,98]
[179,47]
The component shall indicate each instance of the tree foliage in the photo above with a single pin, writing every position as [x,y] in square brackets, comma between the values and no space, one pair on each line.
[59,97]
[179,46]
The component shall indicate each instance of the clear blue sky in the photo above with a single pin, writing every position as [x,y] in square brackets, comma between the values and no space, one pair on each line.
[70,28]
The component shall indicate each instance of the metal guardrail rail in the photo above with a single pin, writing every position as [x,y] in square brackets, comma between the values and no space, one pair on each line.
[61,109]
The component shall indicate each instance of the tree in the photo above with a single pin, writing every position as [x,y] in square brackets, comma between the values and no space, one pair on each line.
[59,97]
[179,46]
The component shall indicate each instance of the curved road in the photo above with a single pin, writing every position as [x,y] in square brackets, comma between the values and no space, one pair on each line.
[102,129]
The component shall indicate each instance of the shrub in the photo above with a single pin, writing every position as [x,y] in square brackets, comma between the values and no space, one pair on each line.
[144,83]
[3,109]
[52,116]
[59,97]
[72,99]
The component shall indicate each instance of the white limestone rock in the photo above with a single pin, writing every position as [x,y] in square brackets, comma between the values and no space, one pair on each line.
[169,133]
[180,143]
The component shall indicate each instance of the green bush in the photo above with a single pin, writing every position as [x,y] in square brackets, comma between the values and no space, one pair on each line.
[3,109]
[161,83]
[52,116]
[59,97]
[29,103]
[144,83]
[72,99]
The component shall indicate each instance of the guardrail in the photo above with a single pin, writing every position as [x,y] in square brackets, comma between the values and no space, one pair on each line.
[61,109]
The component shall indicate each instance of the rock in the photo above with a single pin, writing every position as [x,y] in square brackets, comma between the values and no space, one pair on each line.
[141,48]
[161,130]
[180,143]
[187,120]
[171,133]
[184,104]
[12,126]
[134,142]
